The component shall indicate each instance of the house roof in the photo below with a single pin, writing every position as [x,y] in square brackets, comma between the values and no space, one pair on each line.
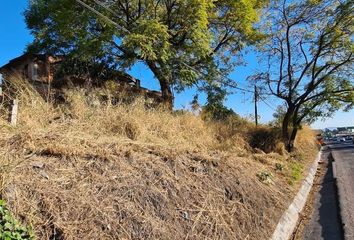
[124,77]
[21,58]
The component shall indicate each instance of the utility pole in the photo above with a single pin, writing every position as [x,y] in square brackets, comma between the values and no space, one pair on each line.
[255,104]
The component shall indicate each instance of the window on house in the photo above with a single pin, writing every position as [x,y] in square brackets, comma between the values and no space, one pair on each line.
[35,71]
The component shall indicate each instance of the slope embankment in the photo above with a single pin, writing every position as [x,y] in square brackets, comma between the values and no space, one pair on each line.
[92,170]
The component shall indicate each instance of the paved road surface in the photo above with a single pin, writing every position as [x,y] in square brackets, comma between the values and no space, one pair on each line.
[325,222]
[343,155]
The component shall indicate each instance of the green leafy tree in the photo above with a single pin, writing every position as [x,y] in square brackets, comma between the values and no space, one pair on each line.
[175,39]
[214,108]
[309,56]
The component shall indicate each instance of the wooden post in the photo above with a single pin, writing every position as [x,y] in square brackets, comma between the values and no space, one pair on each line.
[13,112]
[255,105]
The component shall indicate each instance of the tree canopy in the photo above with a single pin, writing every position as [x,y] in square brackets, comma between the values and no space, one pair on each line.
[309,56]
[182,42]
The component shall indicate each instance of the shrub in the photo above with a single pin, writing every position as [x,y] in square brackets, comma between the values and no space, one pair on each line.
[265,177]
[10,228]
[265,138]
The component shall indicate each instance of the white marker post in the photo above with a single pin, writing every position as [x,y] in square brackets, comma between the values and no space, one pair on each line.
[13,112]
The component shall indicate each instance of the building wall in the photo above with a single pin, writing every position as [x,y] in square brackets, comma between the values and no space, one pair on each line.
[31,69]
[40,71]
[35,70]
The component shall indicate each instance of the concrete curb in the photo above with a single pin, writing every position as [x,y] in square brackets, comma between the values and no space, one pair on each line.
[288,221]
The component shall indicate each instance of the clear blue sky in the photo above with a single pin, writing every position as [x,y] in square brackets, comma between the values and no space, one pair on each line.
[14,37]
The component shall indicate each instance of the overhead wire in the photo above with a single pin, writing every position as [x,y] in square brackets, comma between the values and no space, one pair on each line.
[104,6]
[102,15]
[266,103]
[222,75]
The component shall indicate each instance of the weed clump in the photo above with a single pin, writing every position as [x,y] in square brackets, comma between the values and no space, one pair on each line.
[10,228]
[296,172]
[265,138]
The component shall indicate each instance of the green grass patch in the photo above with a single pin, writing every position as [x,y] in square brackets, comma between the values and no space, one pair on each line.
[296,170]
[10,228]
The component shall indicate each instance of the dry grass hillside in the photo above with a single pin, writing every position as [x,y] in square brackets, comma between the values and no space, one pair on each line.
[92,170]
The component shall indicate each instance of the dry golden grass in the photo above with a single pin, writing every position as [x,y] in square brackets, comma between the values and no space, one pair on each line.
[92,170]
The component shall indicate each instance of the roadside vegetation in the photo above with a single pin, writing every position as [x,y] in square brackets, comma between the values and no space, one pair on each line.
[103,164]
[10,228]
[309,59]
[305,47]
[92,170]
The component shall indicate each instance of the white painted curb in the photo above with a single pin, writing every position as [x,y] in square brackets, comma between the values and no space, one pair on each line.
[288,221]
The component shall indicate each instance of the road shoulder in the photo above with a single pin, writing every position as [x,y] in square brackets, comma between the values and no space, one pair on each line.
[344,173]
[320,218]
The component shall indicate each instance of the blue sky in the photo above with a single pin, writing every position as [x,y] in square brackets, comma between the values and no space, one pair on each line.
[14,37]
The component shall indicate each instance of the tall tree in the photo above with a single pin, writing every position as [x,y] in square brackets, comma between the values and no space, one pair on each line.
[174,38]
[309,56]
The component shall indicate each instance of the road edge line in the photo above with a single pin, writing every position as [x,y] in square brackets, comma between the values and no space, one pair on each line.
[290,217]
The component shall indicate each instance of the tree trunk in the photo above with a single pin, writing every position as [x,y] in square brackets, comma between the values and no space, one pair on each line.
[285,127]
[292,138]
[285,130]
[167,96]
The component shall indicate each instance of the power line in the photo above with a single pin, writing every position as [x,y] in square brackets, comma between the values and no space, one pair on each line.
[104,6]
[102,15]
[222,75]
[266,103]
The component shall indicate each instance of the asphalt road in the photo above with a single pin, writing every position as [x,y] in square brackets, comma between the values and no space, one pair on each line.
[343,155]
[325,222]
